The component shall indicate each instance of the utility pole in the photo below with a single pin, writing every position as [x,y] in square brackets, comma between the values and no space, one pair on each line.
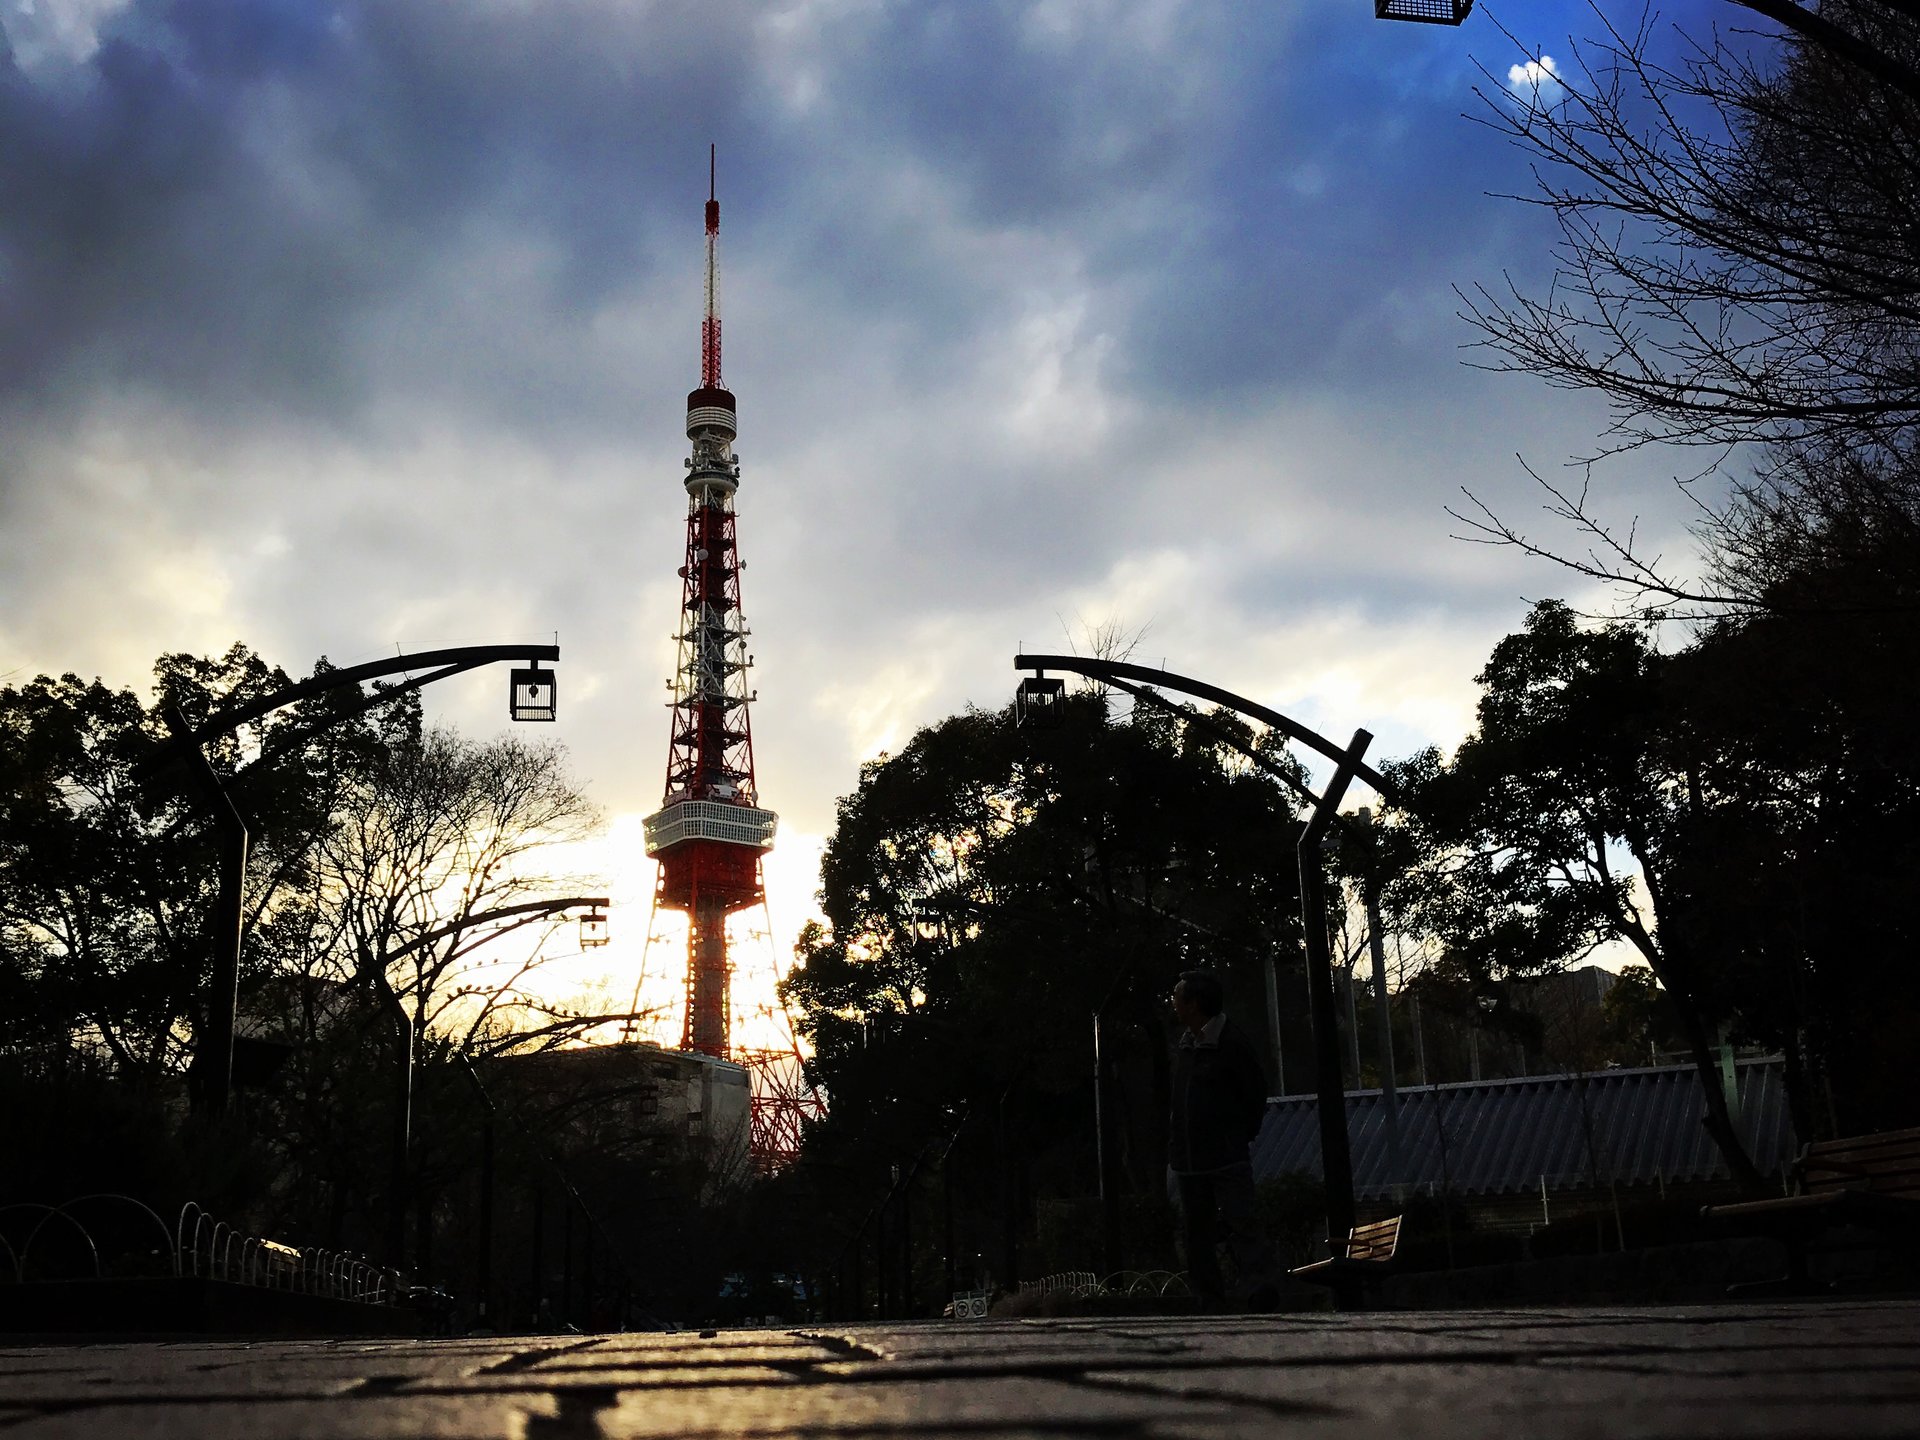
[1383,1008]
[1273,1023]
[1349,989]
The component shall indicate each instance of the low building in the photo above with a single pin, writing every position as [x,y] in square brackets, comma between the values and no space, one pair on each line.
[1510,1151]
[645,1090]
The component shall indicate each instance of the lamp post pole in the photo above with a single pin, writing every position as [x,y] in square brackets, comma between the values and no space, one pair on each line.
[213,1064]
[1383,1009]
[1336,1159]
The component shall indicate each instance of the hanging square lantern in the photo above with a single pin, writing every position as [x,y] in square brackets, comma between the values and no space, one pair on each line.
[593,931]
[533,694]
[1040,702]
[1426,12]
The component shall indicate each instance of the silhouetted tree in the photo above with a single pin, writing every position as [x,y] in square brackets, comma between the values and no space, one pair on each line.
[985,890]
[1553,830]
[1738,264]
[106,883]
[368,833]
[1742,813]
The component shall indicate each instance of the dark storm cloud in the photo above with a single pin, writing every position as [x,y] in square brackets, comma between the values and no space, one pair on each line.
[372,321]
[1237,189]
[213,204]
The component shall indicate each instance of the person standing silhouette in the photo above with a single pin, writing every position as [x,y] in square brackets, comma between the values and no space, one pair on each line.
[1219,1100]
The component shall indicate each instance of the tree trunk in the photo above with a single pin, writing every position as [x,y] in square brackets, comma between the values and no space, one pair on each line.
[1799,1088]
[1718,1119]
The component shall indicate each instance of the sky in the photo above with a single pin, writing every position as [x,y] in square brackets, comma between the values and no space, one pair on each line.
[350,329]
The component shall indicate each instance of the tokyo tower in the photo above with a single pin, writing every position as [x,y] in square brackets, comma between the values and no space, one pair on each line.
[710,831]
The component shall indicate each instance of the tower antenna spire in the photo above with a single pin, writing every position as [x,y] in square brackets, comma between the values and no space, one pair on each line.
[710,327]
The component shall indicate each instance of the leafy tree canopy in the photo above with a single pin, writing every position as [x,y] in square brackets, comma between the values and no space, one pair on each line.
[989,887]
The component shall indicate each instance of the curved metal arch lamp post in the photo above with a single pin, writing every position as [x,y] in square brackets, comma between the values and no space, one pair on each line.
[1040,694]
[532,696]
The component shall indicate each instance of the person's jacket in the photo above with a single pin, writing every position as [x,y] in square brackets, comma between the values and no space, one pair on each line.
[1219,1100]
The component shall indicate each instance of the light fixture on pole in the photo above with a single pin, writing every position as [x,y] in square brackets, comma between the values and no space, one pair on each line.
[593,930]
[1039,703]
[1425,12]
[533,694]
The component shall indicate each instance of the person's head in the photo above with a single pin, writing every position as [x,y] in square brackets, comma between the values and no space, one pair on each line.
[1197,998]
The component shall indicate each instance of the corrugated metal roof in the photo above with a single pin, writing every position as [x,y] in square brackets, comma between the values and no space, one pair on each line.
[1501,1136]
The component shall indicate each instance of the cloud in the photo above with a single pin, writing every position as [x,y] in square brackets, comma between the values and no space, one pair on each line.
[341,327]
[48,38]
[1536,81]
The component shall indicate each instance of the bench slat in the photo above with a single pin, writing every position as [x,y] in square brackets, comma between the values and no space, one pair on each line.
[1376,1241]
[1903,1159]
[1369,1248]
[1891,1146]
[1883,1137]
[1884,1164]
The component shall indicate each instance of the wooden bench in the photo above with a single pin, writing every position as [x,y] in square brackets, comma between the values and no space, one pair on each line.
[1872,1181]
[1368,1253]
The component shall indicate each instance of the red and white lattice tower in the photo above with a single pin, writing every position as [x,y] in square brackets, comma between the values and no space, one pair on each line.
[710,832]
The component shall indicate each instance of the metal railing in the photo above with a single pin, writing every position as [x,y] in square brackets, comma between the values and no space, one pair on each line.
[218,1251]
[36,1219]
[1085,1284]
[197,1245]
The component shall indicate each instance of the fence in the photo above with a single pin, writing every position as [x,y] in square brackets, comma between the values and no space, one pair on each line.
[218,1251]
[197,1246]
[1084,1284]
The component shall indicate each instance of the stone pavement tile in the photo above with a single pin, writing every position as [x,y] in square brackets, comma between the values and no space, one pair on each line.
[1387,1337]
[1412,1401]
[757,1347]
[635,1377]
[489,1417]
[1726,1331]
[998,1408]
[15,1368]
[1540,1332]
[1770,1360]
[1273,1340]
[292,1369]
[1793,1318]
[988,1343]
[148,1383]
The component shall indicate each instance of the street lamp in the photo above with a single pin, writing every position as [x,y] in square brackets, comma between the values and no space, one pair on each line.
[593,930]
[532,694]
[1336,1161]
[1040,702]
[373,970]
[213,1058]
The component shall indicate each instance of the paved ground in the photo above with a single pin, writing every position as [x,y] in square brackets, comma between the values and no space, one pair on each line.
[1825,1370]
